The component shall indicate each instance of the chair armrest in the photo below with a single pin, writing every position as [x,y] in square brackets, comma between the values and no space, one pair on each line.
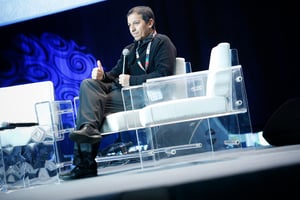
[191,96]
[133,97]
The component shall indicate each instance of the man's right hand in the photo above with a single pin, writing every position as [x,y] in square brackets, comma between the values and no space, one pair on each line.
[98,72]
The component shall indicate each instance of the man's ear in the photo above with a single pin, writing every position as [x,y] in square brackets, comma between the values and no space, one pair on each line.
[151,23]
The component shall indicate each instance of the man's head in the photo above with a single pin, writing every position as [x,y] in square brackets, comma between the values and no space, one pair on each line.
[141,22]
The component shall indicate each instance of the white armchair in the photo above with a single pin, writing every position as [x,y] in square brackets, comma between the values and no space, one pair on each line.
[213,97]
[212,94]
[29,155]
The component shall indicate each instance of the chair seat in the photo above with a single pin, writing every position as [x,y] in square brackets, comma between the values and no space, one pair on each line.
[182,110]
[165,112]
[121,121]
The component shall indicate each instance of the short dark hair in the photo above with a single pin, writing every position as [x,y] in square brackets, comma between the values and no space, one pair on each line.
[146,13]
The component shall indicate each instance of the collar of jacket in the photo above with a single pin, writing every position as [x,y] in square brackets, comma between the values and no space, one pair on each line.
[145,40]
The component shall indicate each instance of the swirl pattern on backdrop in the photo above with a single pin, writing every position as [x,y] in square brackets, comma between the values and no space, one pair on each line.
[48,57]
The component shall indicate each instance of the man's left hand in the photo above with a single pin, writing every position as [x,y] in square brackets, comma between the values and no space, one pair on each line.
[124,80]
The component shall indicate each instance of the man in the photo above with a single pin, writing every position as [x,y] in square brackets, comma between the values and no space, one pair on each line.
[150,55]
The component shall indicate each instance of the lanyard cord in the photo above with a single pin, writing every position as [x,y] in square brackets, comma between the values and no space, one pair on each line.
[147,55]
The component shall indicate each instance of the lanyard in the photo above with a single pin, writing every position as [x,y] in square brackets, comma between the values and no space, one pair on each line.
[147,55]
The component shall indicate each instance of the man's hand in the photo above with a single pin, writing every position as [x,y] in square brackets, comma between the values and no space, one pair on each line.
[98,72]
[124,80]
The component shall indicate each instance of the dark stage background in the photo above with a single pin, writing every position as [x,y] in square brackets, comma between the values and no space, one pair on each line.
[64,47]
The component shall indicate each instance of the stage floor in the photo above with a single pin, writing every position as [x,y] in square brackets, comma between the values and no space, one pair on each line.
[246,172]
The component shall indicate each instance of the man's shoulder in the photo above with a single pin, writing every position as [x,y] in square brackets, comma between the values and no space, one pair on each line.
[162,36]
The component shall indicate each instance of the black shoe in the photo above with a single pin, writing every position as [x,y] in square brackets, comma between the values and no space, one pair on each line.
[87,134]
[79,172]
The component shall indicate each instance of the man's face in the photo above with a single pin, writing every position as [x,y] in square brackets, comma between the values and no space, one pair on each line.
[138,28]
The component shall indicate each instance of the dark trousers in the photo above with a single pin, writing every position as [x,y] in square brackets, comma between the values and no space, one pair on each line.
[97,99]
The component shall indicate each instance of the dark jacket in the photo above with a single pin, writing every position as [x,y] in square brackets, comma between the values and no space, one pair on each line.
[161,60]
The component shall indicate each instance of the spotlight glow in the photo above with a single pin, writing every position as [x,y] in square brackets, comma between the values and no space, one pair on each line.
[13,11]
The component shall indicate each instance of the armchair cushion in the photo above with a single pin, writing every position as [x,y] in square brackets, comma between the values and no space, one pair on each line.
[121,121]
[182,109]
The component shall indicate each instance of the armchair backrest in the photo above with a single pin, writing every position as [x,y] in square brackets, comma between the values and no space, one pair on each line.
[180,66]
[17,103]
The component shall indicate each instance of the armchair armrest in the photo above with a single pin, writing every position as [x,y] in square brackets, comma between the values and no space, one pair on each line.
[191,96]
